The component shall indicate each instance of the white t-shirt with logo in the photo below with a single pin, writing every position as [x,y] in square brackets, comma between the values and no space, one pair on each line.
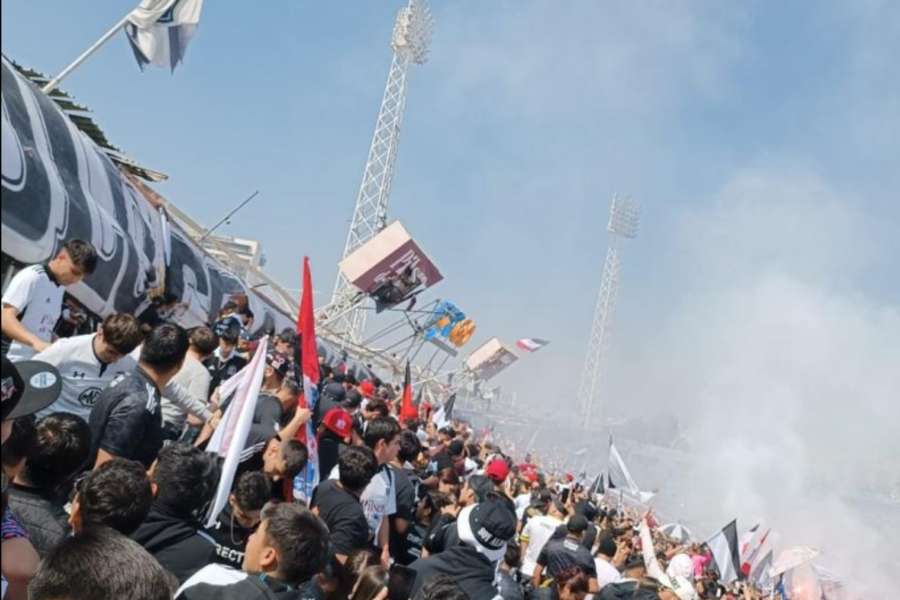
[537,531]
[83,374]
[378,500]
[38,302]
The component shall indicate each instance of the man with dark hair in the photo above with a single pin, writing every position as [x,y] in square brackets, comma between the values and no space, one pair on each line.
[100,563]
[337,501]
[194,379]
[36,495]
[442,587]
[185,480]
[88,363]
[379,499]
[282,557]
[407,492]
[240,517]
[126,420]
[117,494]
[32,302]
[225,361]
[561,555]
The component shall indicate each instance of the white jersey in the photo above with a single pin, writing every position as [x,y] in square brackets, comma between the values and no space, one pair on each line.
[37,299]
[379,499]
[536,532]
[83,374]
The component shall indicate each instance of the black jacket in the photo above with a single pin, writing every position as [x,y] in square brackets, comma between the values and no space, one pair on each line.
[255,587]
[179,545]
[472,571]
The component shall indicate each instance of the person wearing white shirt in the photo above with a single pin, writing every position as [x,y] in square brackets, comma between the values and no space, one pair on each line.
[194,378]
[32,303]
[537,531]
[606,572]
[88,363]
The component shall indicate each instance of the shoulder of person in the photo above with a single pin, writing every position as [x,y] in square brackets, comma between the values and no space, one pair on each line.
[208,581]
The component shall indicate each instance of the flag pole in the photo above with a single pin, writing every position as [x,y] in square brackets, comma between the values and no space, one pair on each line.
[84,55]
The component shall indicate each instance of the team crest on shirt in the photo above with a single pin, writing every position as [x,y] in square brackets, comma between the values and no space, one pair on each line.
[89,396]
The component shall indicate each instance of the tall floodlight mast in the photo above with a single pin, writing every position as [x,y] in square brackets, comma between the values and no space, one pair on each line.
[624,217]
[345,317]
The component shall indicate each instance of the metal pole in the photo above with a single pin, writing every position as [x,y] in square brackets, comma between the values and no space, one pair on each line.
[84,55]
[228,216]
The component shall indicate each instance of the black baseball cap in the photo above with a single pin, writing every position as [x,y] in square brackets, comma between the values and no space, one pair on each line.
[487,526]
[28,386]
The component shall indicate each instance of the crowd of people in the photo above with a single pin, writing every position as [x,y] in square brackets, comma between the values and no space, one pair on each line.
[107,484]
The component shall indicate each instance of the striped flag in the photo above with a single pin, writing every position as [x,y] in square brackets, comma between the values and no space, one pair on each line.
[759,576]
[751,553]
[159,30]
[231,435]
[724,547]
[531,344]
[306,481]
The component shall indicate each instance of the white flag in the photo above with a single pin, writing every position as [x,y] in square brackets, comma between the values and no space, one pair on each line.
[724,548]
[159,30]
[619,476]
[231,435]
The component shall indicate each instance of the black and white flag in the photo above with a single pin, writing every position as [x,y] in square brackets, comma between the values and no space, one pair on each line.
[724,547]
[159,30]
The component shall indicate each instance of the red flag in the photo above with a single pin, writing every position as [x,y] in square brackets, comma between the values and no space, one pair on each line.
[407,410]
[308,479]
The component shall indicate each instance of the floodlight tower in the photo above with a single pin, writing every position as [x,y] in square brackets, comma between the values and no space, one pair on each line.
[624,217]
[412,34]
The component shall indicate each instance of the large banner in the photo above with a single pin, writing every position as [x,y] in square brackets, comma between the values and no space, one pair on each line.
[489,359]
[58,185]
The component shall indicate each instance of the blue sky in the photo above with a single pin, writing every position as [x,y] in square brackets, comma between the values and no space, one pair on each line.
[760,137]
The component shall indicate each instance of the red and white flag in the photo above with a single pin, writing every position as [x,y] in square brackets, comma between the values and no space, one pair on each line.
[407,408]
[531,344]
[307,480]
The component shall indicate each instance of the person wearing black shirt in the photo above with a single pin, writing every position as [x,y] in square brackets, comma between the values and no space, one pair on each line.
[337,501]
[239,518]
[561,555]
[407,484]
[126,420]
[225,361]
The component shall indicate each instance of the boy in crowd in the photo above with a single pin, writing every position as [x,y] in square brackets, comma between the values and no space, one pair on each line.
[88,363]
[193,378]
[225,361]
[32,302]
[184,479]
[337,501]
[36,496]
[117,494]
[239,518]
[126,420]
[407,492]
[379,499]
[283,555]
[561,555]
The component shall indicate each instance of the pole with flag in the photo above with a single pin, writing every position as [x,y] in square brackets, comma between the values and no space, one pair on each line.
[231,435]
[158,31]
[306,481]
[407,409]
[726,554]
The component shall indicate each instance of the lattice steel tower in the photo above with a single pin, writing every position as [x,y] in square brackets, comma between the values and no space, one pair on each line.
[344,316]
[624,217]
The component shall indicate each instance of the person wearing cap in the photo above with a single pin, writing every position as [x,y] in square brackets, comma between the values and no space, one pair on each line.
[537,532]
[332,396]
[25,389]
[482,531]
[337,501]
[33,300]
[333,434]
[225,361]
[367,390]
[560,555]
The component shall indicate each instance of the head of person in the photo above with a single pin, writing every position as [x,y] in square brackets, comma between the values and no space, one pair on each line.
[446,435]
[634,567]
[372,584]
[100,562]
[203,341]
[290,544]
[375,409]
[448,481]
[62,446]
[367,389]
[75,260]
[382,435]
[430,505]
[284,460]
[410,447]
[119,334]
[572,584]
[576,526]
[357,466]
[26,387]
[116,494]
[475,490]
[18,445]
[247,317]
[249,497]
[557,508]
[352,400]
[184,479]
[442,587]
[487,526]
[497,470]
[228,337]
[285,342]
[513,557]
[457,450]
[606,546]
[278,365]
[164,350]
[288,394]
